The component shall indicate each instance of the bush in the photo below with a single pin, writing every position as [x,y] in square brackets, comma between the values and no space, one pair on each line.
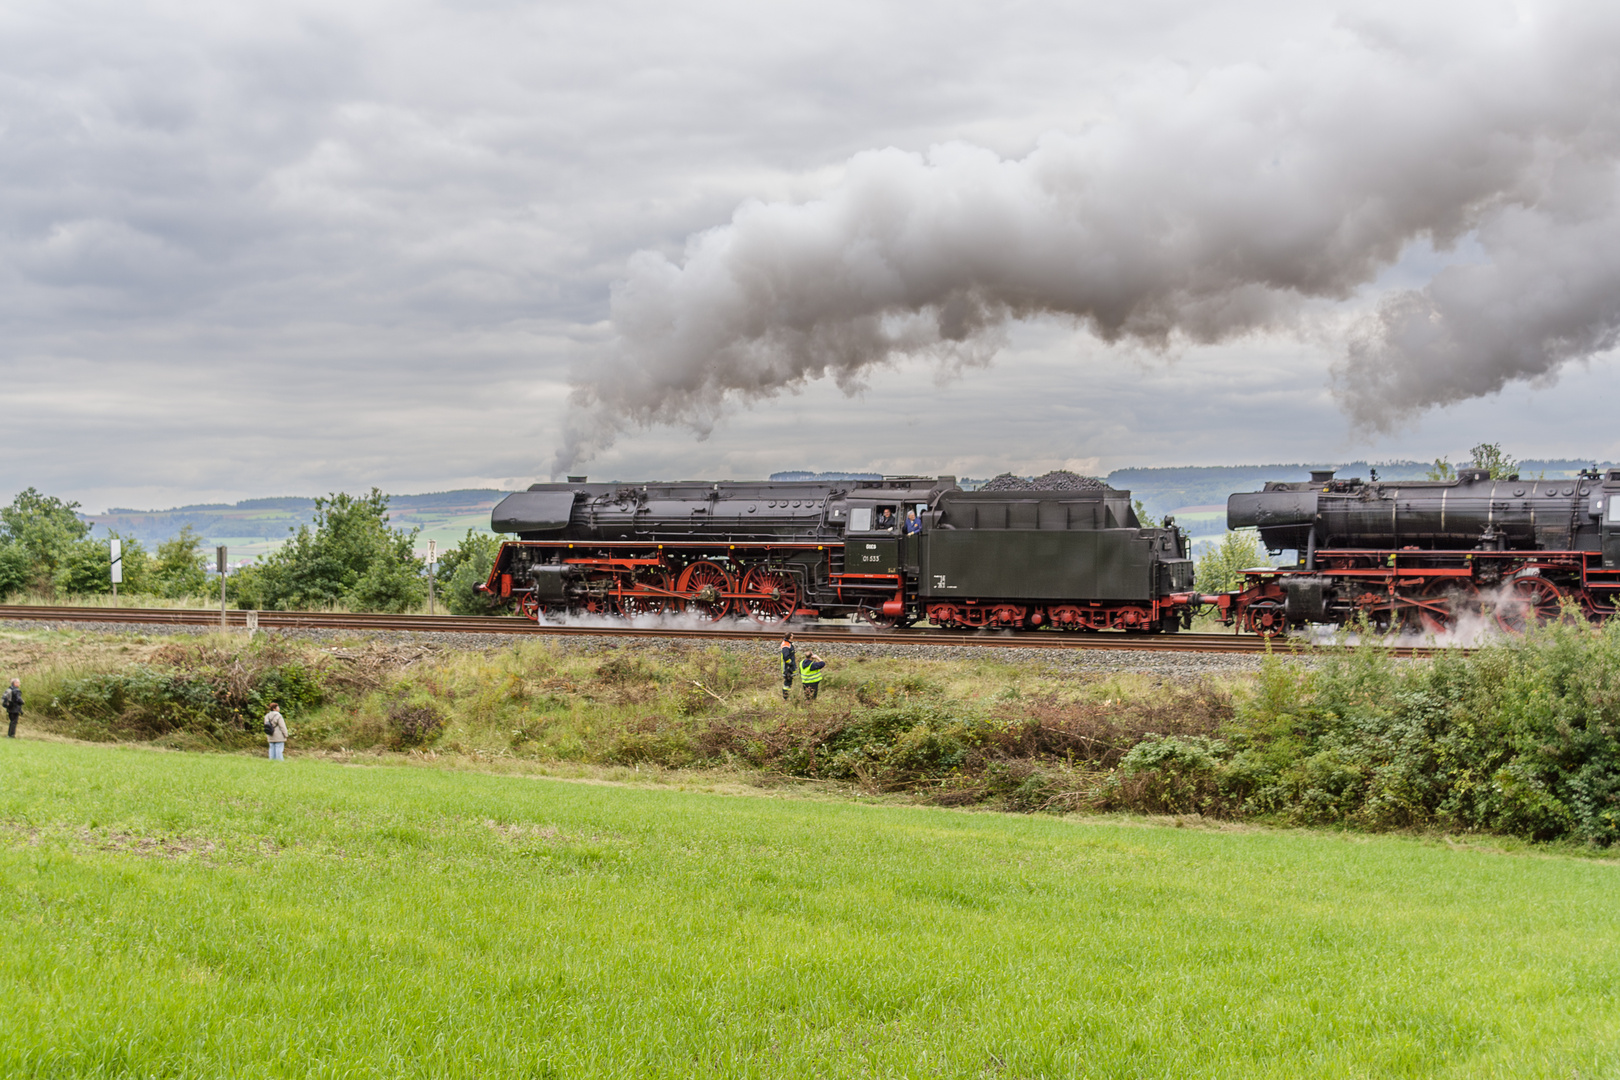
[1172,775]
[414,724]
[16,572]
[188,688]
[85,567]
[1518,737]
[465,567]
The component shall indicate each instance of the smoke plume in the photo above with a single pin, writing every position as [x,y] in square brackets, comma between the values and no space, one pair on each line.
[1247,199]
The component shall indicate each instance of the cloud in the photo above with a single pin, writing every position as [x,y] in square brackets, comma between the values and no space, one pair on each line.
[291,248]
[1199,213]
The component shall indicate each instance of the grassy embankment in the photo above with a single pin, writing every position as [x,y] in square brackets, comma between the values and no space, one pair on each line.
[216,915]
[1517,738]
[980,729]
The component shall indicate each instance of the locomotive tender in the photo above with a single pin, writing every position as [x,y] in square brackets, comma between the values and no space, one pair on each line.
[775,551]
[1421,555]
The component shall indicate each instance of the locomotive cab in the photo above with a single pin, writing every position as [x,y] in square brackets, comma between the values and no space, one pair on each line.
[870,544]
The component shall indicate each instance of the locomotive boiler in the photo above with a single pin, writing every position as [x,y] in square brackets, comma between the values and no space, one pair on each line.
[890,552]
[1423,554]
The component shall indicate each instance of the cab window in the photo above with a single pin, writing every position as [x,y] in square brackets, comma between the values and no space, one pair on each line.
[860,519]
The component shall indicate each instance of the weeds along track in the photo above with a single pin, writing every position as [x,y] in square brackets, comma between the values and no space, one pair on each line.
[157,618]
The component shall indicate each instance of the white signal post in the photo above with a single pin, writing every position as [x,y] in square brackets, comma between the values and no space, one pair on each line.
[219,553]
[116,548]
[433,551]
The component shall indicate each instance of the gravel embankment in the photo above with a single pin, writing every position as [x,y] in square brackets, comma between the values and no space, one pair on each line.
[1056,661]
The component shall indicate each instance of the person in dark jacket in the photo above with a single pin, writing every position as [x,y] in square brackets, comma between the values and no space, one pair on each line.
[790,664]
[810,675]
[13,702]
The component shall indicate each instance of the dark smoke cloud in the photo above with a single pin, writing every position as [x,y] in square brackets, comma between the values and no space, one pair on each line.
[1232,204]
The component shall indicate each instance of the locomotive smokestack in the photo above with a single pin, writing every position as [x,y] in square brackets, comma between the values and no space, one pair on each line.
[1192,217]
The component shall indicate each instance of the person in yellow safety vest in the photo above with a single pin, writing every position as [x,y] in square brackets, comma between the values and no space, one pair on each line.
[810,675]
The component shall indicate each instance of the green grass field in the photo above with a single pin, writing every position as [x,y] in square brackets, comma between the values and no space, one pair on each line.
[193,915]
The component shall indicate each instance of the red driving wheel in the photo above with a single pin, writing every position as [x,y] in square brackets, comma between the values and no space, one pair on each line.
[771,595]
[704,585]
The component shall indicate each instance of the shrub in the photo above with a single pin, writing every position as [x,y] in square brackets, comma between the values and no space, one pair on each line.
[189,688]
[1172,775]
[465,567]
[414,724]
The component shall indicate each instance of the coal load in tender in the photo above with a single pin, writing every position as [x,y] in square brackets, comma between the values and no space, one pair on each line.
[1056,480]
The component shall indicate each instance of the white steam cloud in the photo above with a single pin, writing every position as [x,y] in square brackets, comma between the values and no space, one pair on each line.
[1214,209]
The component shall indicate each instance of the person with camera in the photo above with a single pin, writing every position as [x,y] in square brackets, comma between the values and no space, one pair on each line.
[275,729]
[810,670]
[12,699]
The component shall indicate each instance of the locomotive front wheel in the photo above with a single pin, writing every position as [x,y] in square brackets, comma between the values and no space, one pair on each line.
[1528,601]
[705,585]
[1266,619]
[772,596]
[529,607]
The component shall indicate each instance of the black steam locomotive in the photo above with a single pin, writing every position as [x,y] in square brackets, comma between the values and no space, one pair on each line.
[1421,555]
[892,552]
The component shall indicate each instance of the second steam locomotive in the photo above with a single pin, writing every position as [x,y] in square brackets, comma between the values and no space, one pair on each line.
[895,551]
[1425,555]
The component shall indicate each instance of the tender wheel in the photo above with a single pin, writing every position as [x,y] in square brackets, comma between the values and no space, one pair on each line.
[1528,601]
[705,584]
[772,595]
[875,618]
[648,605]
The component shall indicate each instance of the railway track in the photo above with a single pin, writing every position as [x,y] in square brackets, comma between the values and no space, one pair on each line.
[157,618]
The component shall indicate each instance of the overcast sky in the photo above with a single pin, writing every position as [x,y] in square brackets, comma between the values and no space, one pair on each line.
[291,248]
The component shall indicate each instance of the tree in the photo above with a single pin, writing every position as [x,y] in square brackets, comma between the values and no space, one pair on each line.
[350,557]
[180,567]
[463,568]
[1441,470]
[15,570]
[85,567]
[1220,567]
[45,528]
[1490,456]
[1143,518]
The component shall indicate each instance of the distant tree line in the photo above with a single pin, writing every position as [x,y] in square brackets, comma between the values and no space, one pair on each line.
[349,557]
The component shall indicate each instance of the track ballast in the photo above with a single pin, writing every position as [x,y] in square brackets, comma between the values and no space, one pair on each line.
[158,618]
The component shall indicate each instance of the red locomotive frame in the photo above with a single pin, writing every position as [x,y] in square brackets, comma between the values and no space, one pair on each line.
[708,580]
[1427,590]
